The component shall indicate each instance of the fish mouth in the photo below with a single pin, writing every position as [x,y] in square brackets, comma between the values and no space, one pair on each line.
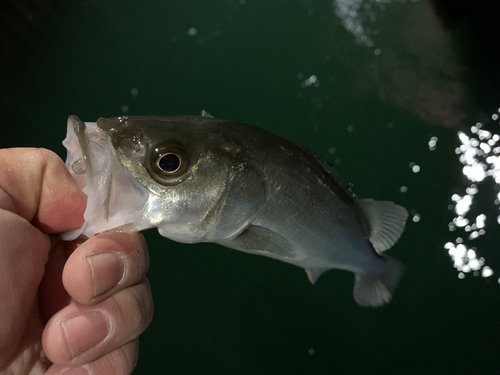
[79,160]
[115,200]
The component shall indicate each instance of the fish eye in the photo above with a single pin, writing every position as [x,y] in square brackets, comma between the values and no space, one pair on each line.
[78,166]
[169,164]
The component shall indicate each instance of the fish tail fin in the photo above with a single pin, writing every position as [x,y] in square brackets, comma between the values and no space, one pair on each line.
[376,289]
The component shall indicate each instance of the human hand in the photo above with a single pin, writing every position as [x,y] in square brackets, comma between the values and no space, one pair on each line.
[64,307]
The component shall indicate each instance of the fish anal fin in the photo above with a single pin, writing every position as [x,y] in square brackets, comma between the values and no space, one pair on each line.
[206,114]
[313,274]
[386,222]
[260,240]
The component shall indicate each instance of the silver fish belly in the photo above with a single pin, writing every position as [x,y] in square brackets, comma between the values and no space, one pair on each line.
[199,179]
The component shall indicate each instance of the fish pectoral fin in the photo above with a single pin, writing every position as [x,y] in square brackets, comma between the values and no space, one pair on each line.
[313,274]
[258,239]
[386,221]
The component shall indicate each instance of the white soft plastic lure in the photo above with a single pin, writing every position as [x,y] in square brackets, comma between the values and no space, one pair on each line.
[199,179]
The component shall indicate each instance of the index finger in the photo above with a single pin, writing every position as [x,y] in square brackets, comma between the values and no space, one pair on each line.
[36,185]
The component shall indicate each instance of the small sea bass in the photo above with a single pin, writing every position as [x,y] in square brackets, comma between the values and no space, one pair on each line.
[199,179]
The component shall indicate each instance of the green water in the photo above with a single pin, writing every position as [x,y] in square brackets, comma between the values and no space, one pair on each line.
[368,100]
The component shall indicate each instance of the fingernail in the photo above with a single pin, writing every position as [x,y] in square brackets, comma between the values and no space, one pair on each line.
[76,371]
[85,331]
[107,271]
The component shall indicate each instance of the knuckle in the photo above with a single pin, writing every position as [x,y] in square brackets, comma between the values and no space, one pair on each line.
[121,361]
[134,309]
[137,262]
[126,356]
[141,297]
[45,159]
[46,155]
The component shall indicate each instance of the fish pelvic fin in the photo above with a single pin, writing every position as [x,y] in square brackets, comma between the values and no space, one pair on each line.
[376,290]
[386,222]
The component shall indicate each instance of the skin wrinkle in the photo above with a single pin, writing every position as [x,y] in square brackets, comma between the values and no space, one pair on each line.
[44,187]
[125,268]
[29,186]
[135,298]
[6,201]
[146,317]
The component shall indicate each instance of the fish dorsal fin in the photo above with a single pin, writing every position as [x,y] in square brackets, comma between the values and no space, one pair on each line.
[261,240]
[340,186]
[386,222]
[330,169]
[313,274]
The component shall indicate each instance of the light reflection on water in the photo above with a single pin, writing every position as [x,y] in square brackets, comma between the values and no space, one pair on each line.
[479,153]
[359,16]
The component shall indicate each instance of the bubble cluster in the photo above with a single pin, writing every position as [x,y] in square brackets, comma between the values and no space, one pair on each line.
[359,17]
[479,153]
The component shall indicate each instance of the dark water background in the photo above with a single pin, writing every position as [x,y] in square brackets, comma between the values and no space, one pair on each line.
[367,84]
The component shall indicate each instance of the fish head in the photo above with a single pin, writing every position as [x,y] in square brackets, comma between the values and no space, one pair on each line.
[115,200]
[142,172]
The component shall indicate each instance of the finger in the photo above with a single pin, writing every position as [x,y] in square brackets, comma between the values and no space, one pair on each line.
[105,264]
[36,185]
[120,361]
[52,296]
[34,188]
[22,260]
[80,334]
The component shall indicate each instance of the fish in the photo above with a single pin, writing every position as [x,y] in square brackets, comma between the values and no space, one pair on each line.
[201,179]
